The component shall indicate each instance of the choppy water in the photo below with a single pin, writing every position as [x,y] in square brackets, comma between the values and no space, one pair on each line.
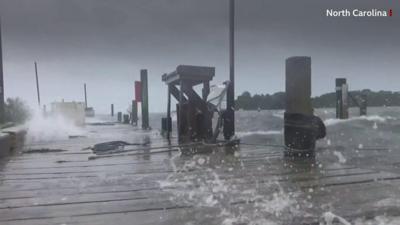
[368,142]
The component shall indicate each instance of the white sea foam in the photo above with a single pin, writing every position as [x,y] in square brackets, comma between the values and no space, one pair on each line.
[378,220]
[373,118]
[331,219]
[340,156]
[241,134]
[195,183]
[278,114]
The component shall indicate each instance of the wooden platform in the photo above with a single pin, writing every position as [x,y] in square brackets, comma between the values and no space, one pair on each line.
[157,186]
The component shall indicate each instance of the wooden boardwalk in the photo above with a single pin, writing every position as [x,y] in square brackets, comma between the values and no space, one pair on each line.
[158,186]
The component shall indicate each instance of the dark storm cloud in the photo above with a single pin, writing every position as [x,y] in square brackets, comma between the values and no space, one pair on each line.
[105,43]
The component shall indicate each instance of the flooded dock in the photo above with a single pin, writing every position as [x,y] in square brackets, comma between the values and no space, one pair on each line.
[354,178]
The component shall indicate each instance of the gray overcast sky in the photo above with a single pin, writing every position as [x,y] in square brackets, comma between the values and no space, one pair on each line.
[106,42]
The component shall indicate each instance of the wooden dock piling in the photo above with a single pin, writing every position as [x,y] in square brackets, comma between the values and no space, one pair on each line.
[301,127]
[363,105]
[84,89]
[126,119]
[145,99]
[119,117]
[134,113]
[341,99]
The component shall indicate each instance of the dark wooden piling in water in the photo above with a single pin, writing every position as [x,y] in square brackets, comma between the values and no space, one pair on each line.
[126,119]
[112,110]
[145,99]
[84,89]
[342,111]
[301,127]
[134,113]
[363,105]
[1,81]
[119,117]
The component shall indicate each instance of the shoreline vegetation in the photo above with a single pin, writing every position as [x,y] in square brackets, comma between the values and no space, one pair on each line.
[246,101]
[15,111]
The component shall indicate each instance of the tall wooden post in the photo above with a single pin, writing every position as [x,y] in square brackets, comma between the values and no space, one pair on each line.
[2,119]
[298,85]
[341,98]
[301,127]
[363,105]
[134,118]
[84,89]
[119,117]
[229,117]
[37,84]
[145,99]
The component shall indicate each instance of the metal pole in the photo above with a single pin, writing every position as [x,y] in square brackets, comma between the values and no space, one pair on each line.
[1,81]
[169,113]
[37,84]
[229,118]
[84,88]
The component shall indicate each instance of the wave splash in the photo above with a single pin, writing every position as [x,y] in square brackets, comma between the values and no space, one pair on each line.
[372,118]
[221,192]
[41,128]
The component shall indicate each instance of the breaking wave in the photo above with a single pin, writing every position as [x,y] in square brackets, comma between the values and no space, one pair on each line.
[372,118]
[196,185]
[41,128]
[241,134]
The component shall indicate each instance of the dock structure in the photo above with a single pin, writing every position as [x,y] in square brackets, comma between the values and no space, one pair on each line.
[301,127]
[194,117]
[56,183]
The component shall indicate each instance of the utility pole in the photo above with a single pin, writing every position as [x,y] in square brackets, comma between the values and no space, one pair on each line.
[229,118]
[37,84]
[1,82]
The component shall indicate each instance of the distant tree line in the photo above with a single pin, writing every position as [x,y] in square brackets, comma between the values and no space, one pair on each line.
[16,111]
[246,101]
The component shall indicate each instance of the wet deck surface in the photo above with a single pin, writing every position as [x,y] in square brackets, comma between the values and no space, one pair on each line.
[253,185]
